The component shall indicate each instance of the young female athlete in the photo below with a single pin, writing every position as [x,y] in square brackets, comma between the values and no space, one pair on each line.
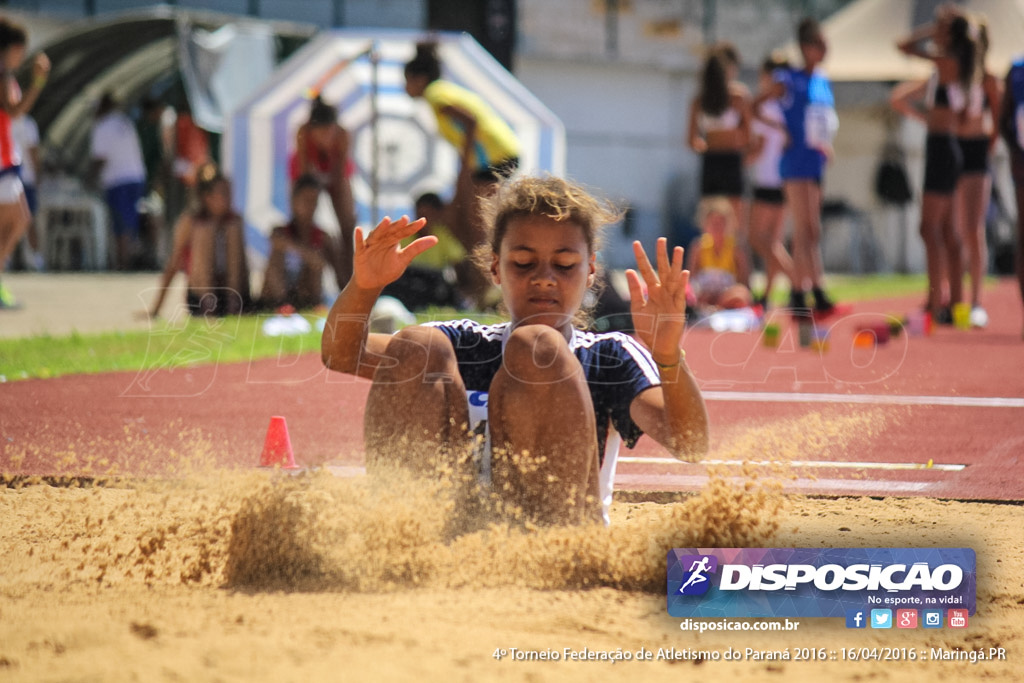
[14,213]
[719,129]
[947,43]
[809,111]
[717,266]
[547,390]
[209,246]
[322,150]
[481,137]
[1011,126]
[977,133]
[768,207]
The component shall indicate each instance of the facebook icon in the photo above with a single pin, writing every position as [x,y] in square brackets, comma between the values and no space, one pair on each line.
[856,618]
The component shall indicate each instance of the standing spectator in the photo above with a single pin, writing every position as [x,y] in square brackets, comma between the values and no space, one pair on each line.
[809,110]
[977,133]
[209,246]
[322,150]
[117,161]
[154,156]
[768,208]
[474,129]
[191,151]
[946,43]
[1011,124]
[719,129]
[26,136]
[299,251]
[14,213]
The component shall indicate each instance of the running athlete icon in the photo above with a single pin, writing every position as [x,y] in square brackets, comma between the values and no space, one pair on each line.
[697,571]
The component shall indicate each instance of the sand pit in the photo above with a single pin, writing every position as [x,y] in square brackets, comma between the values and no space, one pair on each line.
[254,576]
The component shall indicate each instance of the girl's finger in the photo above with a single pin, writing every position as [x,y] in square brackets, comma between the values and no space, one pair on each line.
[417,247]
[359,239]
[636,290]
[662,255]
[677,259]
[644,265]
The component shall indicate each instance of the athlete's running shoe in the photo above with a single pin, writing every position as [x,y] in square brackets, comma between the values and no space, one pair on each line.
[7,299]
[979,317]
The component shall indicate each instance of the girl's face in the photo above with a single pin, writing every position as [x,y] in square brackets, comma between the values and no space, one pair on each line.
[218,200]
[415,85]
[13,57]
[320,135]
[717,225]
[814,51]
[544,269]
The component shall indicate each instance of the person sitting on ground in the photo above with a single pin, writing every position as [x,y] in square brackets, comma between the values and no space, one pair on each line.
[717,266]
[432,279]
[209,246]
[543,391]
[298,253]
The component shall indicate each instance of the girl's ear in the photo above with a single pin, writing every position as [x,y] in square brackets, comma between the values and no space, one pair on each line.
[592,270]
[494,269]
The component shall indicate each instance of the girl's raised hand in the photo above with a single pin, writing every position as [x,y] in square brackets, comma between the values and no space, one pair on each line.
[659,315]
[380,258]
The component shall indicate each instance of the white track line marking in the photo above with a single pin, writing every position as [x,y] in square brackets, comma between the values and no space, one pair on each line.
[942,467]
[870,399]
[624,481]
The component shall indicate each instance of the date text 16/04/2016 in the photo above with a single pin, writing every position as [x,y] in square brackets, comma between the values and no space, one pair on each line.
[796,654]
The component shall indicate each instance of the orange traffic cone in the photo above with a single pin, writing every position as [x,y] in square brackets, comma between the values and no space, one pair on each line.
[277,449]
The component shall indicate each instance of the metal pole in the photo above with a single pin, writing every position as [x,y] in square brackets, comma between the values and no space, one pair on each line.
[254,8]
[708,25]
[611,27]
[338,13]
[374,135]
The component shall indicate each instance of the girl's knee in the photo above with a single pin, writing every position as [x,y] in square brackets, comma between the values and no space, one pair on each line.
[539,354]
[416,350]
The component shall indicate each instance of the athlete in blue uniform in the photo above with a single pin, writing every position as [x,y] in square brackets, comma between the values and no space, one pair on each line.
[1011,125]
[552,390]
[809,111]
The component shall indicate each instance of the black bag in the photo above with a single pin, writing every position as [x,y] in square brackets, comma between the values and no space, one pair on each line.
[891,183]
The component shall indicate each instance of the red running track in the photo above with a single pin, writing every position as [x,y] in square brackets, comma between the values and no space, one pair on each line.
[955,398]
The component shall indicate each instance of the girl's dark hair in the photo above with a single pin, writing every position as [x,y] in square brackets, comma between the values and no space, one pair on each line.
[425,63]
[11,34]
[963,48]
[321,113]
[714,83]
[808,31]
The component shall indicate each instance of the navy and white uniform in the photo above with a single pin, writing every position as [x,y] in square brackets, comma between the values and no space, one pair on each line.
[617,368]
[809,109]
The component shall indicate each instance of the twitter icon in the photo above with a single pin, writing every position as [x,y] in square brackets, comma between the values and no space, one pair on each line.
[881,618]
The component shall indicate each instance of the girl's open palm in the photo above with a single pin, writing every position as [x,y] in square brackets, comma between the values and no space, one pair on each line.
[659,314]
[380,258]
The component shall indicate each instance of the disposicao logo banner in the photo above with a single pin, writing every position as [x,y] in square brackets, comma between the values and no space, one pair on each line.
[817,582]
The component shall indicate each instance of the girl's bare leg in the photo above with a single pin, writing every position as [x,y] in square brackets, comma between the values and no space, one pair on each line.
[974,191]
[798,202]
[933,209]
[417,413]
[742,229]
[541,420]
[14,219]
[766,239]
[344,209]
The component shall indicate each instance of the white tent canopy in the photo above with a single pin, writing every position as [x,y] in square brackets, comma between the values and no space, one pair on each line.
[862,37]
[395,148]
